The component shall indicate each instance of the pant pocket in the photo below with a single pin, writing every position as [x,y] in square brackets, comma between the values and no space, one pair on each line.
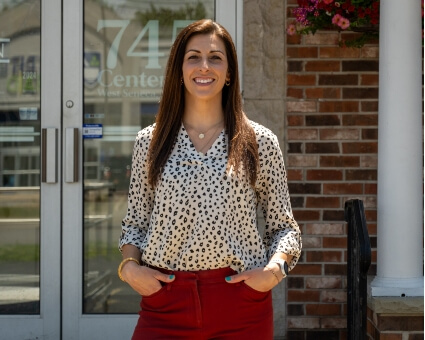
[174,306]
[252,293]
[155,301]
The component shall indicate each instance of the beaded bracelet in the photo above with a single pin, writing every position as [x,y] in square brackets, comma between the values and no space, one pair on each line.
[123,262]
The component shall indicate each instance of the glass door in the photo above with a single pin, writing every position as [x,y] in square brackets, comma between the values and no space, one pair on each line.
[114,57]
[78,79]
[29,182]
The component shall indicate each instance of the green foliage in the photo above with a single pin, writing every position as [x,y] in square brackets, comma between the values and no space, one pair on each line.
[95,250]
[20,253]
[167,16]
[19,212]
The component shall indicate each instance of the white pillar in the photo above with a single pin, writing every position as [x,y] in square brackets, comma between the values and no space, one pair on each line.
[400,195]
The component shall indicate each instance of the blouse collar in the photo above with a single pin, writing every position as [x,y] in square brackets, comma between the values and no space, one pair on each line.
[217,150]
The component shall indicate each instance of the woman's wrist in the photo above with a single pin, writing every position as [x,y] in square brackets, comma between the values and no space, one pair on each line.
[274,269]
[282,265]
[274,273]
[125,264]
[128,271]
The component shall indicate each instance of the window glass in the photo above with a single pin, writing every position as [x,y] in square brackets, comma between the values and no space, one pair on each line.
[19,157]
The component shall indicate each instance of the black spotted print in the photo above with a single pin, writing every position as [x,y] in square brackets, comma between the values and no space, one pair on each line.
[201,216]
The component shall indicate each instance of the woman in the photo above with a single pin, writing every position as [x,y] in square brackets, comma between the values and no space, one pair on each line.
[189,241]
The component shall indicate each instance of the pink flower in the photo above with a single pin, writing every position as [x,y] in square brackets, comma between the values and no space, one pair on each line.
[328,2]
[344,23]
[291,29]
[336,19]
[340,21]
[301,16]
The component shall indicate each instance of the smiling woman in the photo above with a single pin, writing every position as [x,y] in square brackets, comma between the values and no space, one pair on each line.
[204,75]
[190,242]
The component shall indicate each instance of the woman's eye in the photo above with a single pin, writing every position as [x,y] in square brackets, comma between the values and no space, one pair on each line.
[193,57]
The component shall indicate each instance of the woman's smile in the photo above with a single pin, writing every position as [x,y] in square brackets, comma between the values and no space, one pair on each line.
[204,80]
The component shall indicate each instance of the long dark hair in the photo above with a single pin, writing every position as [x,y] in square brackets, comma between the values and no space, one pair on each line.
[242,149]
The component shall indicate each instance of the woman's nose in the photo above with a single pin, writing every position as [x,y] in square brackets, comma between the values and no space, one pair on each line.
[204,64]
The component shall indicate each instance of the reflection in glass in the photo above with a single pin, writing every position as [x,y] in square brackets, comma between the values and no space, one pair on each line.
[126,45]
[19,157]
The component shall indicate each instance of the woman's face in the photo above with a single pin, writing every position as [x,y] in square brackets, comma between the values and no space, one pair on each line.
[205,67]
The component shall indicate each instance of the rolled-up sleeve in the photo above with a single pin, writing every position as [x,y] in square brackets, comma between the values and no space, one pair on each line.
[282,233]
[140,196]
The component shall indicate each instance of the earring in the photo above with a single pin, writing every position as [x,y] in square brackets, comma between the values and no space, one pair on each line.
[227,83]
[181,81]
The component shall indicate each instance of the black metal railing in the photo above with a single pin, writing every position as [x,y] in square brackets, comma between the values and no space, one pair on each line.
[358,262]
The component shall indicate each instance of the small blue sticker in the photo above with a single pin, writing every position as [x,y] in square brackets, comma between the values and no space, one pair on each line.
[92,131]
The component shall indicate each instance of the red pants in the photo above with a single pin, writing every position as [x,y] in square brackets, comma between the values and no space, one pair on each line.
[202,305]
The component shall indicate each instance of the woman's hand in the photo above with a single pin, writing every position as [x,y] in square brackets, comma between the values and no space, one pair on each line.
[260,279]
[144,280]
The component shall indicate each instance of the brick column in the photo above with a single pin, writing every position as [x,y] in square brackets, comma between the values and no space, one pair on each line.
[400,199]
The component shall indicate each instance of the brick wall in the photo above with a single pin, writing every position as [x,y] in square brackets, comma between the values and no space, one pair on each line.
[395,325]
[330,148]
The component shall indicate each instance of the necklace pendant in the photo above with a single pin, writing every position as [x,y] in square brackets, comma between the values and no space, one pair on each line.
[201,136]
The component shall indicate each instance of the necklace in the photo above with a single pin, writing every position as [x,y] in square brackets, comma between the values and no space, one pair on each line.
[201,135]
[207,145]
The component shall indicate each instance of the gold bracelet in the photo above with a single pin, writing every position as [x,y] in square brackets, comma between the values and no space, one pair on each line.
[123,262]
[272,271]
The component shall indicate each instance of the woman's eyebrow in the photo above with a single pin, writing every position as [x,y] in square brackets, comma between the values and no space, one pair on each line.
[197,51]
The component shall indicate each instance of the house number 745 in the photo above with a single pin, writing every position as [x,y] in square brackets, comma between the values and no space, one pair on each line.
[151,28]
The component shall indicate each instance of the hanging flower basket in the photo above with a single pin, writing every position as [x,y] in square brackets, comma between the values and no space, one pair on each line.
[361,16]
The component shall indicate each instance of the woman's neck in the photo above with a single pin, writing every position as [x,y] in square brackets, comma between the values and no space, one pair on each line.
[202,115]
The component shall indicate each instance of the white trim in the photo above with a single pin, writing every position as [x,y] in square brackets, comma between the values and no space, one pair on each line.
[239,39]
[383,286]
[225,14]
[229,13]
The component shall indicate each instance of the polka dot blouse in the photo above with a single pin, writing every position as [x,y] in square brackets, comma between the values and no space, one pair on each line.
[200,216]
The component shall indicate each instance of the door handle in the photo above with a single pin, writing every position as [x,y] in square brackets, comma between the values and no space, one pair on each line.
[71,155]
[49,155]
